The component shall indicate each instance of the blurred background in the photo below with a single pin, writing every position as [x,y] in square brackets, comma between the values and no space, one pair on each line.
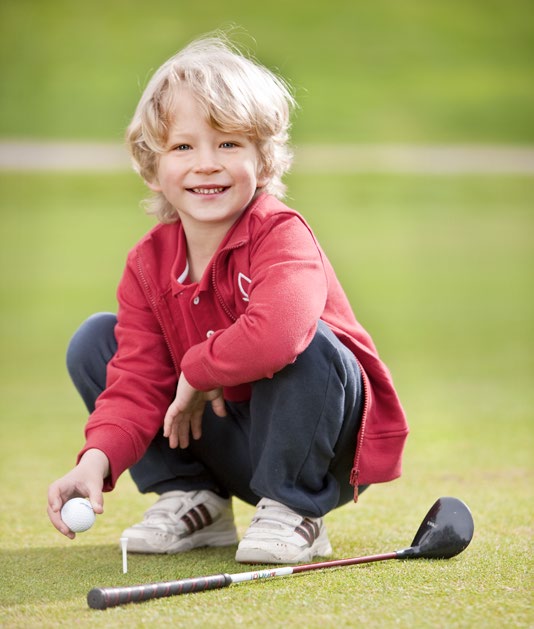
[434,248]
[382,71]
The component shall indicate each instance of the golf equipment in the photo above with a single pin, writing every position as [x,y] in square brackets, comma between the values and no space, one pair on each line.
[78,514]
[124,550]
[445,532]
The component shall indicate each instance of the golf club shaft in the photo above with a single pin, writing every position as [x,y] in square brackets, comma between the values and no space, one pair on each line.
[102,598]
[445,532]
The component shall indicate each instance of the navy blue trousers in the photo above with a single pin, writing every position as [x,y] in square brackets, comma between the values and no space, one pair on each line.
[293,442]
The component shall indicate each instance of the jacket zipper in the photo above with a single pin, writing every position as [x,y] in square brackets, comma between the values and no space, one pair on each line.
[355,472]
[156,312]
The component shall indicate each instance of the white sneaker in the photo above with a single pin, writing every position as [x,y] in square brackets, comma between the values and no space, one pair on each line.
[279,535]
[182,520]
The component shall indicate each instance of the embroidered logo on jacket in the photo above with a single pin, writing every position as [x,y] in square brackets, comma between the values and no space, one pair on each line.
[242,281]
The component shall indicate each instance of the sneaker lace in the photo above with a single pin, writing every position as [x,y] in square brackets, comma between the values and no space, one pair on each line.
[191,516]
[274,515]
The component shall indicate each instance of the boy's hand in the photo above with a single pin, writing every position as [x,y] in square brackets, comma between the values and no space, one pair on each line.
[85,481]
[184,415]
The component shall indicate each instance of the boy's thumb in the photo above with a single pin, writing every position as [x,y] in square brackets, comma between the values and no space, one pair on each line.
[96,502]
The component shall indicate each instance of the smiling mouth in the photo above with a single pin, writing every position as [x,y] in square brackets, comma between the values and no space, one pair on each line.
[208,191]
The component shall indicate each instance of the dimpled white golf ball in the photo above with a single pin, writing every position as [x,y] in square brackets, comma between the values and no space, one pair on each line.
[78,514]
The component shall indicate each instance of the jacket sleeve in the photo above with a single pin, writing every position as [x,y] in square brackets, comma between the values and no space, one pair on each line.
[287,296]
[130,411]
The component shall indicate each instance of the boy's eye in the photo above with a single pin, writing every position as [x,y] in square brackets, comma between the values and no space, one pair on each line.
[183,147]
[228,145]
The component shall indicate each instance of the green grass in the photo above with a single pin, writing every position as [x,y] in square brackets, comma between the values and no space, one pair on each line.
[381,71]
[439,269]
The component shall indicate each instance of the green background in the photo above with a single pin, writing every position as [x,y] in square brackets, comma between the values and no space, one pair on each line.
[437,267]
[381,71]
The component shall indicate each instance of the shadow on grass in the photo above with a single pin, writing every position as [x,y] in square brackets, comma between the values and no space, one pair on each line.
[42,575]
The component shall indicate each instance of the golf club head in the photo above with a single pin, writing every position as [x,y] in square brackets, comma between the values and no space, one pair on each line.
[445,531]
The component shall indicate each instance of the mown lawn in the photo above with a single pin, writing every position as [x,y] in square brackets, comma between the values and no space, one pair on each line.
[439,269]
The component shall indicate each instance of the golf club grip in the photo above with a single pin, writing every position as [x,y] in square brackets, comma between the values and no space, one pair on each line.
[102,598]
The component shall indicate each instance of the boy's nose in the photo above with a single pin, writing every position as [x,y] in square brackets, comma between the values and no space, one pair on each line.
[207,162]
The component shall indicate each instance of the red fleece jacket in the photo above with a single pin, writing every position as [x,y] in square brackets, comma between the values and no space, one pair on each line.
[254,311]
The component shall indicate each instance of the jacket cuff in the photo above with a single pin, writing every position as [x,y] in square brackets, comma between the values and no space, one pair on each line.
[116,444]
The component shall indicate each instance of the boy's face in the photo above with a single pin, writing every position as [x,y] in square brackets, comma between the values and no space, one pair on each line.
[209,176]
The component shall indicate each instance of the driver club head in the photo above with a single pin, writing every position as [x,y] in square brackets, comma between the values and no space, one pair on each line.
[445,531]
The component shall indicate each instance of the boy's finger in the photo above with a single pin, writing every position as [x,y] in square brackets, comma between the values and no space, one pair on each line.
[54,502]
[169,431]
[196,425]
[97,503]
[55,518]
[168,422]
[219,407]
[182,431]
[55,498]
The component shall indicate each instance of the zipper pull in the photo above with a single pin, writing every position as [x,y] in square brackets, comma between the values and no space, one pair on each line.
[354,474]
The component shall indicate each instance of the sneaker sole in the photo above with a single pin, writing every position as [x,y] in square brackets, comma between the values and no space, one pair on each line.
[141,546]
[255,555]
[220,533]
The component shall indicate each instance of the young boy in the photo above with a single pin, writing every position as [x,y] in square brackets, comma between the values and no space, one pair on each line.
[235,365]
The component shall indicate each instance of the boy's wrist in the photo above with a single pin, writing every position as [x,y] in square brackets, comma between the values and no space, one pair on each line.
[97,460]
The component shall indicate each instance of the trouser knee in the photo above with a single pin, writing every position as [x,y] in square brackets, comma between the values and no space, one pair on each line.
[304,426]
[89,351]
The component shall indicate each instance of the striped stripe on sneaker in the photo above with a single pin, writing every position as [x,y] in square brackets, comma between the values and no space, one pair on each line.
[197,518]
[309,530]
[182,520]
[279,535]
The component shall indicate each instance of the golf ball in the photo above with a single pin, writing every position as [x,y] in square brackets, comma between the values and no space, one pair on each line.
[78,514]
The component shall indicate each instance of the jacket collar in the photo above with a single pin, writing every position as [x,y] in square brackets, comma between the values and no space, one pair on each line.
[239,233]
[237,236]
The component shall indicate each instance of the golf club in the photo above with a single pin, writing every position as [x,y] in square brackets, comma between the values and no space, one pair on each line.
[445,532]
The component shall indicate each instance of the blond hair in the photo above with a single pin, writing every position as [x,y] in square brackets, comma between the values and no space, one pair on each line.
[237,94]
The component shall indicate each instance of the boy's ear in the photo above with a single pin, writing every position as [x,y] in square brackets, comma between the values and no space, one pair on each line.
[153,185]
[261,178]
